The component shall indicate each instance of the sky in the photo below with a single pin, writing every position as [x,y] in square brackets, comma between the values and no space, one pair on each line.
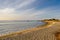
[29,9]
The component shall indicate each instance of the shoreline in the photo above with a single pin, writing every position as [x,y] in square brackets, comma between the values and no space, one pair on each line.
[21,32]
[48,30]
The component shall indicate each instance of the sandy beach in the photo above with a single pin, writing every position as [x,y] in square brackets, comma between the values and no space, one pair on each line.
[47,32]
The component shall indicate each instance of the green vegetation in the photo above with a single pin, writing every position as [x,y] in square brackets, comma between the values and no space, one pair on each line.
[53,19]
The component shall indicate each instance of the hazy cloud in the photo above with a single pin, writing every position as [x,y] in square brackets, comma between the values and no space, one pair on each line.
[27,9]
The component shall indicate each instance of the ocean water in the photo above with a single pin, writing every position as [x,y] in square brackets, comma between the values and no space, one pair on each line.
[7,27]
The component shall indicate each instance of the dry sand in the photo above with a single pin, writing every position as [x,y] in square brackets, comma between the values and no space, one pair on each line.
[47,32]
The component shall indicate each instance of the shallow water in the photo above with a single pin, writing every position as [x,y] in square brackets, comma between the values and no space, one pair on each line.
[14,26]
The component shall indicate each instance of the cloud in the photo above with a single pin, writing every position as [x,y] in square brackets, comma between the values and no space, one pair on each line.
[28,14]
[22,10]
[25,3]
[12,14]
[8,9]
[15,3]
[6,13]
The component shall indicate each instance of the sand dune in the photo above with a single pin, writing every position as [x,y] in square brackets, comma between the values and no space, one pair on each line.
[46,32]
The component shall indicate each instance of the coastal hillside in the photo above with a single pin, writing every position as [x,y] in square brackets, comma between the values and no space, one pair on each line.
[48,32]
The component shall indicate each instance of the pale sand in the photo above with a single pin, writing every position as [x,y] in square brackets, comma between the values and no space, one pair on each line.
[46,32]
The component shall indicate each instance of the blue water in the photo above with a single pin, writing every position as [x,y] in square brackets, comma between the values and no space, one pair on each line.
[14,26]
